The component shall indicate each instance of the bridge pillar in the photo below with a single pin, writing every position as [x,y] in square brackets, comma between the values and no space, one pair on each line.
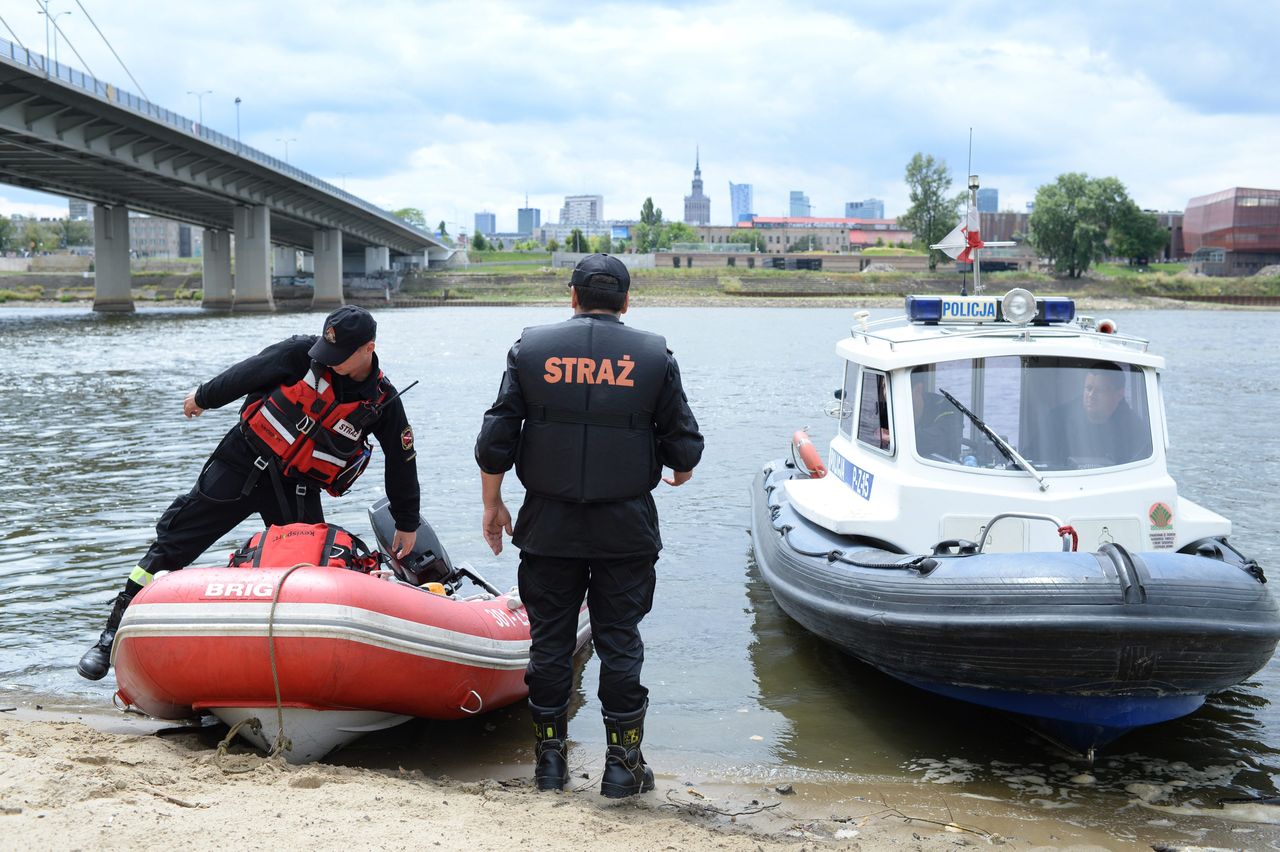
[111,276]
[328,261]
[284,261]
[376,259]
[253,259]
[217,270]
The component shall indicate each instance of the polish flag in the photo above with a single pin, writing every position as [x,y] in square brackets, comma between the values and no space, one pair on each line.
[963,239]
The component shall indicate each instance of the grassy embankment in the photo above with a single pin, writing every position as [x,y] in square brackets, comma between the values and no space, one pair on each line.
[504,281]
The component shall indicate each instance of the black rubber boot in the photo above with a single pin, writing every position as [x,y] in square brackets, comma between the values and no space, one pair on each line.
[551,730]
[96,661]
[625,772]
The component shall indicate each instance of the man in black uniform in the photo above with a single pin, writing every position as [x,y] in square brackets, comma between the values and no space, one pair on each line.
[335,377]
[589,412]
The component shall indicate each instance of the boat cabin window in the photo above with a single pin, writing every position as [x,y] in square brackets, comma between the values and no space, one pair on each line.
[873,412]
[1058,413]
[848,396]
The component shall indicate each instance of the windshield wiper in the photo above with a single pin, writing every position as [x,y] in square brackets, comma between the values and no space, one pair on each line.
[1001,444]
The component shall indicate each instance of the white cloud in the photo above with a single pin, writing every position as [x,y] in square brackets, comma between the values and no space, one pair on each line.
[456,108]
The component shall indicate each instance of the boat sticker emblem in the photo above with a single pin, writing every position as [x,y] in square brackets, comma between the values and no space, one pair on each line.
[859,480]
[1162,533]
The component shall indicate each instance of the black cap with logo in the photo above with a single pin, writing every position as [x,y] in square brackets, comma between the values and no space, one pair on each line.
[345,330]
[601,272]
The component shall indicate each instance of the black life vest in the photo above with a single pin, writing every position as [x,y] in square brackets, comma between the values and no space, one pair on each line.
[304,544]
[590,387]
[312,435]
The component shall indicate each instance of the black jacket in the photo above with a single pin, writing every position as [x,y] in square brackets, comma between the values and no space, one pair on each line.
[284,363]
[613,528]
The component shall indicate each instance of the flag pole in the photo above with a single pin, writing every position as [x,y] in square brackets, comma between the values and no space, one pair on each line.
[973,205]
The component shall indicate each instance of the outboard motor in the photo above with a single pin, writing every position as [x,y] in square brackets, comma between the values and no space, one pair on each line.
[427,563]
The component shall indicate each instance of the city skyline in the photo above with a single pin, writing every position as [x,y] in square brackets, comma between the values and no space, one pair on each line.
[1172,111]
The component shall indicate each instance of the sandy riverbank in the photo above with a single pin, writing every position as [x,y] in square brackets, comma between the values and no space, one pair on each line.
[67,785]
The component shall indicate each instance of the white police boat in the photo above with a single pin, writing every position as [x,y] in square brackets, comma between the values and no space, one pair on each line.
[995,522]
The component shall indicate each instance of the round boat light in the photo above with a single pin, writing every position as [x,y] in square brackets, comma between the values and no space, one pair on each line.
[1018,306]
[1106,326]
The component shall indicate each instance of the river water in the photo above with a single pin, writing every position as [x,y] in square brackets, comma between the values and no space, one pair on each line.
[95,448]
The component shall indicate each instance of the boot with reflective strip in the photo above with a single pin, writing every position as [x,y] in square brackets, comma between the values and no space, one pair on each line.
[551,729]
[96,661]
[625,772]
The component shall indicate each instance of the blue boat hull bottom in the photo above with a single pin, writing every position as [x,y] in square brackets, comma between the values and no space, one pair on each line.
[1086,645]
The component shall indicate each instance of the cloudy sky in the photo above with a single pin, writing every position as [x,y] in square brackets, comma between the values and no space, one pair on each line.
[460,107]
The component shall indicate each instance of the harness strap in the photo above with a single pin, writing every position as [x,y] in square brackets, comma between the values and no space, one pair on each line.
[642,420]
[330,537]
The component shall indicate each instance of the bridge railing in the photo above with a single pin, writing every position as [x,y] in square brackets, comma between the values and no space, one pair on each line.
[65,74]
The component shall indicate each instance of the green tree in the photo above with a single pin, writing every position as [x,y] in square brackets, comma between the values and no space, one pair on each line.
[442,230]
[77,232]
[37,237]
[602,244]
[412,215]
[553,244]
[577,242]
[6,233]
[1076,216]
[806,243]
[479,243]
[648,234]
[752,238]
[679,232]
[1136,235]
[932,214]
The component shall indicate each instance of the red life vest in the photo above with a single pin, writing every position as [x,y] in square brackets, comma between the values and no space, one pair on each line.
[310,433]
[305,544]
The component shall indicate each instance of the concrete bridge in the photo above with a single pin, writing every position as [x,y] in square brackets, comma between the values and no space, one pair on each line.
[67,133]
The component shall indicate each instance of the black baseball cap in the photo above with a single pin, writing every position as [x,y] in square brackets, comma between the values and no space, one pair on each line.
[601,272]
[345,330]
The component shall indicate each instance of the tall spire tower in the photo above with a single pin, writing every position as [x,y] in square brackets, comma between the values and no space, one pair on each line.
[697,207]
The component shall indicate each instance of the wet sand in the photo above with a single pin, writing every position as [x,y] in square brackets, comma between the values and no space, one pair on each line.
[93,781]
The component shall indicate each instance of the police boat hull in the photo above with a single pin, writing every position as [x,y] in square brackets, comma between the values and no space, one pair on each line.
[1086,646]
[351,653]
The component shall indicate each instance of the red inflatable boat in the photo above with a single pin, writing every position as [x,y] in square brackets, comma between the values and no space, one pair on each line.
[326,653]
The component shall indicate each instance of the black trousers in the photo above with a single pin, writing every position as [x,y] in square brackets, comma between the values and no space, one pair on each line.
[214,507]
[619,593]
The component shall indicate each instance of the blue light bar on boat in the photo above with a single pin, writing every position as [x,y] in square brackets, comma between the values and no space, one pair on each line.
[931,309]
[979,309]
[1054,309]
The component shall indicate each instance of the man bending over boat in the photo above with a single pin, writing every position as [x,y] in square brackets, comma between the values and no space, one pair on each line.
[1102,429]
[589,411]
[310,404]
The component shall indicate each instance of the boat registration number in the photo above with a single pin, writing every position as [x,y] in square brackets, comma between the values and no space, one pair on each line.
[858,480]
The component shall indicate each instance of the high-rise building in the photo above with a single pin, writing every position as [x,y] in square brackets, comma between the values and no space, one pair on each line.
[78,210]
[528,218]
[988,200]
[868,208]
[800,206]
[697,207]
[486,223]
[581,209]
[741,203]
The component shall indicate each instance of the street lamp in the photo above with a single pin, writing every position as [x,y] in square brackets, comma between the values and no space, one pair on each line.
[286,146]
[53,19]
[200,102]
[237,120]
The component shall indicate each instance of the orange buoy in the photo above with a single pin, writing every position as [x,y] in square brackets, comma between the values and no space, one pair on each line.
[805,455]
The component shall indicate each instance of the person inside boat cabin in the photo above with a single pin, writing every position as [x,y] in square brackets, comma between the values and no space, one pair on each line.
[589,411]
[938,423]
[1101,429]
[277,457]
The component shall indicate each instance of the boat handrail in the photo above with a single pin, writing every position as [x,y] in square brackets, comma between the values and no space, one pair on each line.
[1063,530]
[1139,344]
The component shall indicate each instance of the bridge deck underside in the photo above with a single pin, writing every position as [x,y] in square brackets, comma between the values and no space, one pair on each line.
[56,139]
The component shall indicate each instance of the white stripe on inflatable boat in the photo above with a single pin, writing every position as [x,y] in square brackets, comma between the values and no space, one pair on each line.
[331,621]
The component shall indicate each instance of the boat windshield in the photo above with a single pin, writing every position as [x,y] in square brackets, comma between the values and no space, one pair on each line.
[1057,413]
